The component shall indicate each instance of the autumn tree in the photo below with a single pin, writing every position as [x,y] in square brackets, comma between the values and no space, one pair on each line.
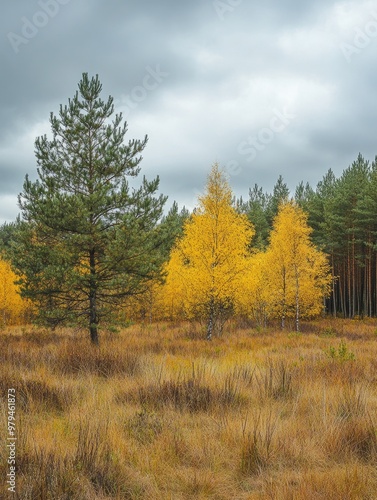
[297,275]
[208,260]
[12,307]
[342,211]
[87,240]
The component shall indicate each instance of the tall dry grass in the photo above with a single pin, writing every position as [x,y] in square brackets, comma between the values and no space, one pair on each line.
[156,412]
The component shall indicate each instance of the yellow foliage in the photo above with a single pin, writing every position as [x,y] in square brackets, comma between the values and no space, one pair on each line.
[254,293]
[12,306]
[147,306]
[292,277]
[208,261]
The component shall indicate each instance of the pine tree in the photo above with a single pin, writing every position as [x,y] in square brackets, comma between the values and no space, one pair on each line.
[256,209]
[279,195]
[87,240]
[304,195]
[342,232]
[366,216]
[172,224]
[7,231]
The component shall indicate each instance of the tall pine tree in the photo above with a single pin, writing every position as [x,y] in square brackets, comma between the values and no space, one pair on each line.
[87,240]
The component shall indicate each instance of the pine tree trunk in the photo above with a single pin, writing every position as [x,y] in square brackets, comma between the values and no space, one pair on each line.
[342,292]
[349,289]
[93,317]
[375,286]
[94,333]
[370,311]
[353,278]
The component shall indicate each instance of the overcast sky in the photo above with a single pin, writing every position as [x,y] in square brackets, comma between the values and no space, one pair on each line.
[264,88]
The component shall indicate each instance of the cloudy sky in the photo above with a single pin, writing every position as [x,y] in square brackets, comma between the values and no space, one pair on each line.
[264,88]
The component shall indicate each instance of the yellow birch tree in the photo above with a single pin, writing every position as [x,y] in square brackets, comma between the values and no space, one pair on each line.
[297,275]
[207,263]
[12,306]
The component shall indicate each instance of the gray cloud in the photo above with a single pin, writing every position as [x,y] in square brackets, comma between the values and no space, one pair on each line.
[225,77]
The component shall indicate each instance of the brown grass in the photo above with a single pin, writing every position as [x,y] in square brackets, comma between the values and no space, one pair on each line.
[156,412]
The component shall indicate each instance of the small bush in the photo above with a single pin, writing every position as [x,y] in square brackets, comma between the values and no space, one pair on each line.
[341,353]
[39,394]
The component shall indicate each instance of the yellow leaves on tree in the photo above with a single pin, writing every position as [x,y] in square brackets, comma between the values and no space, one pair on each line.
[290,279]
[148,306]
[207,263]
[254,292]
[12,306]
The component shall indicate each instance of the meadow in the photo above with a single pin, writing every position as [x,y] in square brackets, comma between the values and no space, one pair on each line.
[157,412]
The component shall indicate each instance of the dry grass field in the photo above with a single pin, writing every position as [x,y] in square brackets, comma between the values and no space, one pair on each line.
[156,412]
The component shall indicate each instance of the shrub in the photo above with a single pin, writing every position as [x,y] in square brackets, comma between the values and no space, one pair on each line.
[341,353]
